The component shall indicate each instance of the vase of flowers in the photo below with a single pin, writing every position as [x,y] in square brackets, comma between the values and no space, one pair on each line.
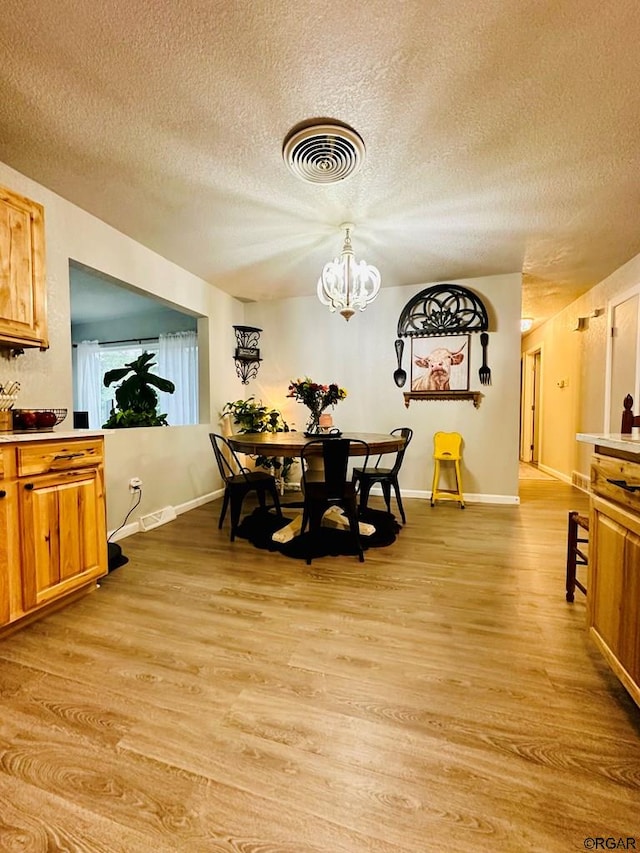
[316,398]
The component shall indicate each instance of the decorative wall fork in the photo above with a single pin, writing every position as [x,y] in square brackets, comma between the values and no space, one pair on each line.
[484,372]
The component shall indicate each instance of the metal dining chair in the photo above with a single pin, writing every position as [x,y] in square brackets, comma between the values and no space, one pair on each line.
[387,477]
[239,481]
[333,487]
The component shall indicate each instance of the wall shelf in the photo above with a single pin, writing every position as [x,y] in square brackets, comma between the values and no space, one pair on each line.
[475,396]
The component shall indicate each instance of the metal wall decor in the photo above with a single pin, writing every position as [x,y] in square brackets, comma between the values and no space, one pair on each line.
[247,354]
[442,310]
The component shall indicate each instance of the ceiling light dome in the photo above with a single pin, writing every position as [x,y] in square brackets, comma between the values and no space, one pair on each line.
[324,153]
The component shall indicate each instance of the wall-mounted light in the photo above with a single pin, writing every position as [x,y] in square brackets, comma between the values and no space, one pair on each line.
[247,354]
[526,323]
[580,324]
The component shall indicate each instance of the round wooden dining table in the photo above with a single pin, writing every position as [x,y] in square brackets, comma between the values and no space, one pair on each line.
[291,443]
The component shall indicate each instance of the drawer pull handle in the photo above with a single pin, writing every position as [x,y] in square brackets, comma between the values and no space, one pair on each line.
[622,484]
[3,494]
[29,487]
[68,455]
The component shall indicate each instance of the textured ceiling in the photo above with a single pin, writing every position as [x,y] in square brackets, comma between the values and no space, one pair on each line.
[501,135]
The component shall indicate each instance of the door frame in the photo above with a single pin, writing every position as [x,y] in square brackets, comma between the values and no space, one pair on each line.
[612,304]
[527,436]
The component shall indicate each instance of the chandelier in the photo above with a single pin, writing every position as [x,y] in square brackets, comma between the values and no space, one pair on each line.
[345,284]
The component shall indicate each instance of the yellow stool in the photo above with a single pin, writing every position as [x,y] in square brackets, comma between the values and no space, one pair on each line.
[446,448]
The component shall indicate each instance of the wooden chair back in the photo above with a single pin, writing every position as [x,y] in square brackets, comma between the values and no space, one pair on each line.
[629,420]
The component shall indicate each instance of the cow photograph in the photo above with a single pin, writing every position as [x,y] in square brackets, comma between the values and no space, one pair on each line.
[440,363]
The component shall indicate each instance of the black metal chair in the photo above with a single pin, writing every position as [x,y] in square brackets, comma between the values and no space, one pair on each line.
[239,481]
[332,487]
[387,477]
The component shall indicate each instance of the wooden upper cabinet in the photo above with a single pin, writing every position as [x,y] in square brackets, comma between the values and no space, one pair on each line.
[23,309]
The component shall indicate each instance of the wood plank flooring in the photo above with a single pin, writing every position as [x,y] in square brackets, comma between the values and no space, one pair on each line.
[213,698]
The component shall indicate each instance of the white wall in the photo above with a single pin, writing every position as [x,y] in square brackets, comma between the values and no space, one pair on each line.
[175,463]
[302,338]
[580,357]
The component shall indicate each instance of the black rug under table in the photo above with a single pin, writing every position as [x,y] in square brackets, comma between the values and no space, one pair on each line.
[259,527]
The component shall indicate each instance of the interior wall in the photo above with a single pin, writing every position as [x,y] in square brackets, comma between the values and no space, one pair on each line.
[301,337]
[174,469]
[580,357]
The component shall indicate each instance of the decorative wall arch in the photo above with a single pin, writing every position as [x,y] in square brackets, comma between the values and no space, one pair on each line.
[443,309]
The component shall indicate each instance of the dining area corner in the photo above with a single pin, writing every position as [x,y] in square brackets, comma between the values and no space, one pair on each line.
[332,515]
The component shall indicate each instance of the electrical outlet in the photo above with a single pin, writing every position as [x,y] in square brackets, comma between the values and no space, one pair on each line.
[135,484]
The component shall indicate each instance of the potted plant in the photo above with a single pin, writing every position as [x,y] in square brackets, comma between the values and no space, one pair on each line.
[252,416]
[136,399]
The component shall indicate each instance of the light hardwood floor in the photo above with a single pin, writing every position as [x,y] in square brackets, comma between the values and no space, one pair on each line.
[209,697]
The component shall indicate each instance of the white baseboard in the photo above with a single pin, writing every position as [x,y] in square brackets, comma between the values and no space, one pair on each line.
[165,515]
[471,498]
[127,530]
[135,526]
[194,502]
[557,474]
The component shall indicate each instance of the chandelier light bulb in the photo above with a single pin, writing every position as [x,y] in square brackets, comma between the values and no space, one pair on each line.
[347,285]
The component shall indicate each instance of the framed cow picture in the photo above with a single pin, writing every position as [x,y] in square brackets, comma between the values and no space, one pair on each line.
[440,363]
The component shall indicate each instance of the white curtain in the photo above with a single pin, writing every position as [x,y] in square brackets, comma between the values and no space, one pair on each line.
[89,381]
[178,361]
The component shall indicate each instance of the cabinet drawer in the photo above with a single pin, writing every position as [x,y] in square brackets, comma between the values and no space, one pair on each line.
[615,479]
[42,457]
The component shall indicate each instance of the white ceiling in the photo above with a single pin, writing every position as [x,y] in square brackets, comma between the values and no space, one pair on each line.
[501,135]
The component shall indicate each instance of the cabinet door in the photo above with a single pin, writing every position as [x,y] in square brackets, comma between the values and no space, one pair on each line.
[9,549]
[606,586]
[22,276]
[629,648]
[64,534]
[614,590]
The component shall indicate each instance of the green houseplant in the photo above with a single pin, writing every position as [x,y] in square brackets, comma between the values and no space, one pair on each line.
[252,416]
[136,398]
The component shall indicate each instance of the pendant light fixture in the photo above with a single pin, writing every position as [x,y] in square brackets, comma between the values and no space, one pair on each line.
[345,284]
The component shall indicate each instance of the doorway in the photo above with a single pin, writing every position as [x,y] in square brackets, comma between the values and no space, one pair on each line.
[622,357]
[531,407]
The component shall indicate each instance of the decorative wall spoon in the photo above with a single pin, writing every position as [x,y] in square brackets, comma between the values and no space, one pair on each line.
[399,375]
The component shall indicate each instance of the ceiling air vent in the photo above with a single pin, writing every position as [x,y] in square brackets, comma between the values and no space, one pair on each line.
[324,153]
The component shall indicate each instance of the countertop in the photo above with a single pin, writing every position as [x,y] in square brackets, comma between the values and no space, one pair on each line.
[44,435]
[629,442]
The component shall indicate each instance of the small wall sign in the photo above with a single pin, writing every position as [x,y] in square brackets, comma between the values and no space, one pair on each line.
[248,353]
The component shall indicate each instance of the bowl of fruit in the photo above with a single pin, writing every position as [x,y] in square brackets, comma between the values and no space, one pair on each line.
[42,420]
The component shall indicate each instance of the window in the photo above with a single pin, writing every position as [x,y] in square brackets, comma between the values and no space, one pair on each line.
[112,324]
[176,359]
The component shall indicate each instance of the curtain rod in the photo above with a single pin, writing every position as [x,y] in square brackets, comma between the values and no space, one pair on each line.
[126,341]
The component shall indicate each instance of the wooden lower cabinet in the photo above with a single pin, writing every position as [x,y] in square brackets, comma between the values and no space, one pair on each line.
[56,543]
[62,534]
[613,588]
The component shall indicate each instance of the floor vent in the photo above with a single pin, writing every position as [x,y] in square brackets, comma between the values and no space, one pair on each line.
[581,481]
[155,519]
